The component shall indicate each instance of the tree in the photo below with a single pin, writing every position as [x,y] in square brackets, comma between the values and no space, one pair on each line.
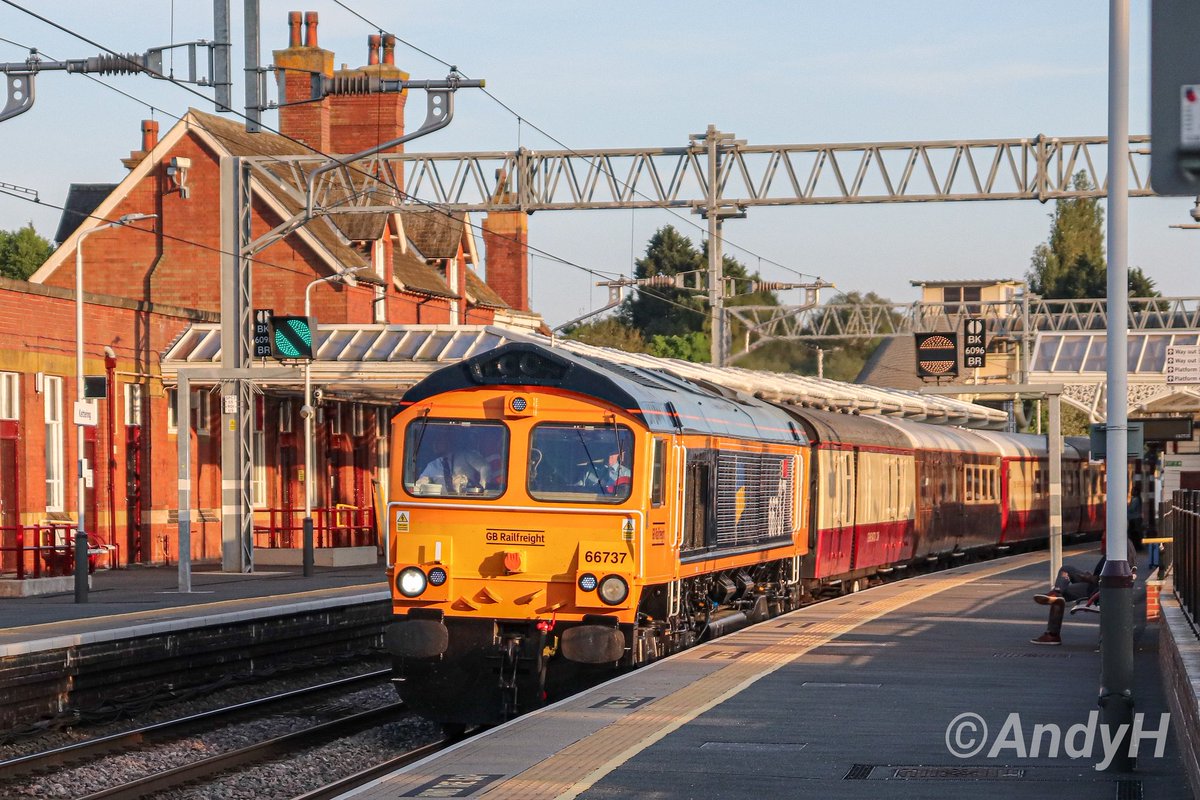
[608,332]
[22,251]
[1071,264]
[665,310]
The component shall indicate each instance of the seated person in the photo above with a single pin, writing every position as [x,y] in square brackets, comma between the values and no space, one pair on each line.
[1074,584]
[607,473]
[456,472]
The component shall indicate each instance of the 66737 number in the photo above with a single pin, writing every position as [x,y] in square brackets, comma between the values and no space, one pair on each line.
[604,557]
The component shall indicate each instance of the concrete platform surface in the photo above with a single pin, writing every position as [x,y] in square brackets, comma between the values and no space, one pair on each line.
[870,695]
[140,600]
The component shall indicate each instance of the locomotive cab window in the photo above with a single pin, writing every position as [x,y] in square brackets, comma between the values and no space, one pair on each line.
[461,458]
[581,463]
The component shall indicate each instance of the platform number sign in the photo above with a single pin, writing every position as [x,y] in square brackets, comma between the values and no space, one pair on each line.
[974,343]
[937,355]
[262,332]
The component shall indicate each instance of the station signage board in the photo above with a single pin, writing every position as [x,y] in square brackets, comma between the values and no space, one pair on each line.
[937,355]
[262,332]
[974,343]
[1182,364]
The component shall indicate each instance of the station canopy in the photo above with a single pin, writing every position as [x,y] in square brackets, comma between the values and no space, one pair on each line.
[377,363]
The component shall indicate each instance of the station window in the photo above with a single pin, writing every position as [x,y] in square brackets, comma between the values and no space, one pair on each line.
[10,395]
[285,416]
[172,411]
[203,406]
[133,404]
[53,399]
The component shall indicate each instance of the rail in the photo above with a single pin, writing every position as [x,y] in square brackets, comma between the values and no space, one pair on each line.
[48,550]
[337,526]
[1185,533]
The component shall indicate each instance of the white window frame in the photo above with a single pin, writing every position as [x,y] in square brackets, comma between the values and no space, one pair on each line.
[358,422]
[258,475]
[285,416]
[203,412]
[10,395]
[52,391]
[133,404]
[172,411]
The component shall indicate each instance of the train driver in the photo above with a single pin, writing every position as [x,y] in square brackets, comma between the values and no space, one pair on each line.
[608,472]
[457,471]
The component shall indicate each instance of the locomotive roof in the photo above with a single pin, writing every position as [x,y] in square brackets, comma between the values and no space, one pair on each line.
[663,401]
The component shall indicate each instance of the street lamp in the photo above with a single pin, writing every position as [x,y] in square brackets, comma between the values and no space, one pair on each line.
[81,565]
[308,413]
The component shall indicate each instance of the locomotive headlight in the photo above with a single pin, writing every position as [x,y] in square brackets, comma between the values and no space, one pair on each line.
[587,582]
[411,582]
[614,590]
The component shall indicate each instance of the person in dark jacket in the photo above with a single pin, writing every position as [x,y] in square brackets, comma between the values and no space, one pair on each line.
[1073,584]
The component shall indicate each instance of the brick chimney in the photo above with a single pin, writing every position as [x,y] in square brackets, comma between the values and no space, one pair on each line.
[308,122]
[506,238]
[360,122]
[149,140]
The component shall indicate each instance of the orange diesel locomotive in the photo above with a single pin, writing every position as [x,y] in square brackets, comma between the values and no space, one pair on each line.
[554,516]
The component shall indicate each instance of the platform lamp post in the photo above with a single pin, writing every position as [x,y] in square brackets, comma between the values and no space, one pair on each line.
[81,562]
[308,412]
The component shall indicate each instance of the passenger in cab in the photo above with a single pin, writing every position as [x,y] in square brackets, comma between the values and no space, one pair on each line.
[1076,585]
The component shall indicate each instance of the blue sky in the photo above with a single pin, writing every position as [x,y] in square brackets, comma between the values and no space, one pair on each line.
[625,74]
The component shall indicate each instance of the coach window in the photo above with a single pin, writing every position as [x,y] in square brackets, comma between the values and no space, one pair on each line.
[580,463]
[460,458]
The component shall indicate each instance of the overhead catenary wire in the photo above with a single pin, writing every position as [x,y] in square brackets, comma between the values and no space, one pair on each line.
[432,206]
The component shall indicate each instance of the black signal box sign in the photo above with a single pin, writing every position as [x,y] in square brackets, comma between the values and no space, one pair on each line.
[262,332]
[974,343]
[937,355]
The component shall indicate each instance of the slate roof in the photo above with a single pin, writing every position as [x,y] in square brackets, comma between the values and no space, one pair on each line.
[893,365]
[435,233]
[480,294]
[417,276]
[82,200]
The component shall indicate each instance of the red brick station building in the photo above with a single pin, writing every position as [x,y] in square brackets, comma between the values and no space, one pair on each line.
[155,282]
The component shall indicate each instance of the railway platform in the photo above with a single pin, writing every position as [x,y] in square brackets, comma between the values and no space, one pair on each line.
[137,636]
[923,688]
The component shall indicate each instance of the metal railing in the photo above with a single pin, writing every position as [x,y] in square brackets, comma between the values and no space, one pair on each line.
[37,551]
[1185,532]
[339,526]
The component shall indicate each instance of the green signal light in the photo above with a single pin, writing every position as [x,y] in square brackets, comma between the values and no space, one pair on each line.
[292,337]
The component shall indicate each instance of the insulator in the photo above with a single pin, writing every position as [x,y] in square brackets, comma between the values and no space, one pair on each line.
[658,280]
[769,286]
[127,64]
[352,84]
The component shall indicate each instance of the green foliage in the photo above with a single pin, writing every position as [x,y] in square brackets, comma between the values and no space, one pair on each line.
[1074,421]
[675,322]
[609,332]
[1071,264]
[695,346]
[22,251]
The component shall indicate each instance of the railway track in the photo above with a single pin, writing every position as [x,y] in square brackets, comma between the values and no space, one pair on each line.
[252,754]
[140,738]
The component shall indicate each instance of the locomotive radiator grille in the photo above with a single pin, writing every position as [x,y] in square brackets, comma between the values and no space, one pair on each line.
[754,498]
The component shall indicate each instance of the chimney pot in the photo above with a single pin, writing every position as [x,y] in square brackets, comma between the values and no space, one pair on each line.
[310,29]
[389,49]
[373,49]
[149,135]
[294,18]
